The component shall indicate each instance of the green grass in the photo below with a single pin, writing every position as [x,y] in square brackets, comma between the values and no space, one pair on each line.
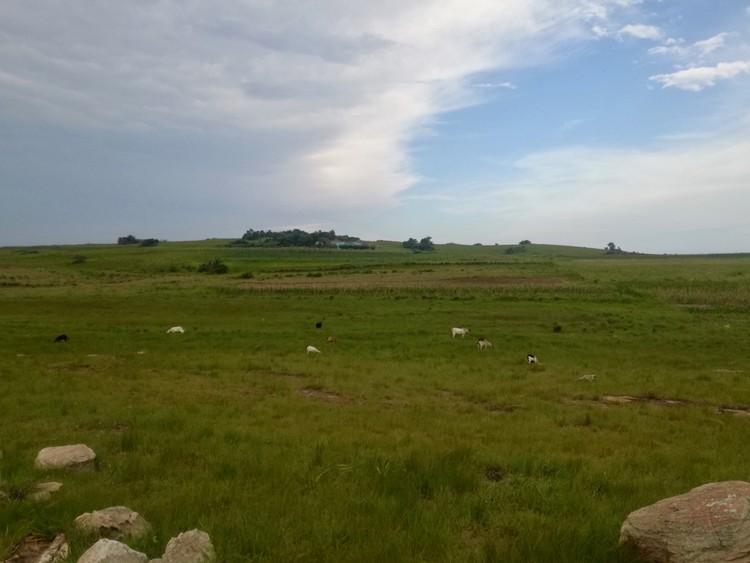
[396,443]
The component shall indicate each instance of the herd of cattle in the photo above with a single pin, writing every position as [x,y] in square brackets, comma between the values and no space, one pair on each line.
[482,343]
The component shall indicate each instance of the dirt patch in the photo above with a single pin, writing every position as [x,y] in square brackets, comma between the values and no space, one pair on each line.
[322,395]
[505,281]
[651,400]
[385,282]
[736,410]
[73,368]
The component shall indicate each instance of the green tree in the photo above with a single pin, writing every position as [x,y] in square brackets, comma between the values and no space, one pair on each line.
[426,244]
[411,243]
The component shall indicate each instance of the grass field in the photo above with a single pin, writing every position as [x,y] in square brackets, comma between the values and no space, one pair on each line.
[396,443]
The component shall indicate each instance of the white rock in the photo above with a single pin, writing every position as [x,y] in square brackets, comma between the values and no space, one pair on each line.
[78,456]
[57,551]
[114,522]
[43,491]
[111,551]
[189,547]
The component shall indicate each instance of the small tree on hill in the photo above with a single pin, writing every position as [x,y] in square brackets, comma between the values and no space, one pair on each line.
[426,245]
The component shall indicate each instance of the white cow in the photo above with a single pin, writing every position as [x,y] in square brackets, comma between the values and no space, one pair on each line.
[531,358]
[176,329]
[484,344]
[455,331]
[312,349]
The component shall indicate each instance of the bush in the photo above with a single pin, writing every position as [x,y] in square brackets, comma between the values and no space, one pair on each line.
[215,266]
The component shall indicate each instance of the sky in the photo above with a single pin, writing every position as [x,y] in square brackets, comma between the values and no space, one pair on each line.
[575,122]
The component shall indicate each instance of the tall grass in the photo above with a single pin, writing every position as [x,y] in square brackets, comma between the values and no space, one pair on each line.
[397,442]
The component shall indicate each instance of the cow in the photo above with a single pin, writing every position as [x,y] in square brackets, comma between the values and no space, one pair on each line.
[319,324]
[331,340]
[484,344]
[61,338]
[456,331]
[531,359]
[587,377]
[312,350]
[176,329]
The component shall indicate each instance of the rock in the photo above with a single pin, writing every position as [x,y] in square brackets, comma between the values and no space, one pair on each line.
[189,547]
[115,522]
[78,456]
[56,552]
[111,551]
[709,524]
[38,549]
[43,491]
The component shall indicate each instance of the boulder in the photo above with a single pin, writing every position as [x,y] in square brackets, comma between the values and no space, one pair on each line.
[78,456]
[189,547]
[709,524]
[111,551]
[115,522]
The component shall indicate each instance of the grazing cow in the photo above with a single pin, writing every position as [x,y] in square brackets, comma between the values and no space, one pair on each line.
[176,329]
[319,324]
[312,349]
[483,344]
[587,377]
[531,359]
[61,338]
[331,340]
[455,331]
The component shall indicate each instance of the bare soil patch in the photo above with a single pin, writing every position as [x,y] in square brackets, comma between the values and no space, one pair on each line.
[320,394]
[736,410]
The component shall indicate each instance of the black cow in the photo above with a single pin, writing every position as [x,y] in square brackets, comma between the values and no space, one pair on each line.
[61,338]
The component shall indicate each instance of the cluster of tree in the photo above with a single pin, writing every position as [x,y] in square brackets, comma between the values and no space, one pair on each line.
[130,239]
[424,245]
[298,237]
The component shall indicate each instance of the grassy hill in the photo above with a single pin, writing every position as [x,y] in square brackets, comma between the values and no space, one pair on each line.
[397,442]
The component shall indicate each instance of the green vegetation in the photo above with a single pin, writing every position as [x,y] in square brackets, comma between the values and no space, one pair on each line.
[396,443]
[298,238]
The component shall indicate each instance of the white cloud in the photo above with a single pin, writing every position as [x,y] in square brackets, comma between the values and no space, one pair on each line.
[339,90]
[492,85]
[674,199]
[698,78]
[697,51]
[642,31]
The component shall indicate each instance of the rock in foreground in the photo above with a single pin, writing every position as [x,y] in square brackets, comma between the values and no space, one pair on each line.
[709,524]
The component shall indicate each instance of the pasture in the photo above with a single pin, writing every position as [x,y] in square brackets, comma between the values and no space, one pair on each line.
[395,443]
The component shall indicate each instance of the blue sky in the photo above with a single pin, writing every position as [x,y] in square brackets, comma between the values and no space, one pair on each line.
[576,122]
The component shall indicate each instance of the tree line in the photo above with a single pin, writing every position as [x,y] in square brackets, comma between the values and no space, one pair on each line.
[298,237]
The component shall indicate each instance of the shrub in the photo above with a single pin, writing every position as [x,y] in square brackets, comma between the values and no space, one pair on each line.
[215,266]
